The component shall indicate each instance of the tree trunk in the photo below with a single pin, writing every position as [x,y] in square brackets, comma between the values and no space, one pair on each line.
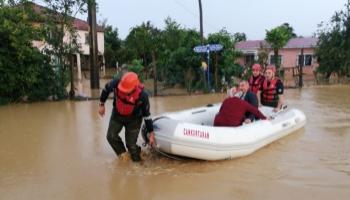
[71,92]
[155,88]
[301,68]
[277,64]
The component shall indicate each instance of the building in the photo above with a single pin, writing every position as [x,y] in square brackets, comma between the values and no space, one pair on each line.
[81,59]
[289,55]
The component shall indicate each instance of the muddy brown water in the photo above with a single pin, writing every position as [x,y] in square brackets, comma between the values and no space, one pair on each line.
[58,150]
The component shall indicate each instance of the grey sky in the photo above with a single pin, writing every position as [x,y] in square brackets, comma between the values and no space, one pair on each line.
[252,17]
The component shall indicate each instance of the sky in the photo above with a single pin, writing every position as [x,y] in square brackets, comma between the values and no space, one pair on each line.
[253,17]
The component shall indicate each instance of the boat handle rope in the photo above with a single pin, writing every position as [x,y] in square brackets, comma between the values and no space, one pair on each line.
[283,108]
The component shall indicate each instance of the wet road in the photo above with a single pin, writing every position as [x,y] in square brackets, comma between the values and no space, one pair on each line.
[58,150]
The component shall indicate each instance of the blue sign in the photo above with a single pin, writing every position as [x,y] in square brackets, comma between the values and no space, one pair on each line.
[215,47]
[206,48]
[200,49]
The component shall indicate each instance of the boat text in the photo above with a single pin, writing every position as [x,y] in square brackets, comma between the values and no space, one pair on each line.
[196,133]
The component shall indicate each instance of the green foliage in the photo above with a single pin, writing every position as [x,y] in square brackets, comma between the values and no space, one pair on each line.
[112,46]
[22,66]
[333,51]
[141,42]
[60,34]
[136,66]
[227,56]
[278,38]
[177,62]
[238,37]
[26,71]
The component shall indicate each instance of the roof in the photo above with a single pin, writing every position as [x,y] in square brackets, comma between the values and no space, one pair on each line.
[294,43]
[79,24]
[307,42]
[251,44]
[83,25]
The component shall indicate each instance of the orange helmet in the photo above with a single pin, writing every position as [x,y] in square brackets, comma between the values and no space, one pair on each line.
[256,67]
[128,82]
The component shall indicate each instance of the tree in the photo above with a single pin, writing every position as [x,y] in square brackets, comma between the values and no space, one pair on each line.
[290,30]
[112,46]
[263,55]
[278,38]
[177,62]
[25,71]
[60,35]
[333,49]
[139,41]
[144,41]
[238,37]
[225,59]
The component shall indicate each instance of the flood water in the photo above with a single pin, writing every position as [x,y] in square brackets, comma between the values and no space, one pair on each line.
[58,150]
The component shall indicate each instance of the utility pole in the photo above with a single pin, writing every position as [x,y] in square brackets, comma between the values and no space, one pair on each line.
[301,65]
[94,69]
[201,20]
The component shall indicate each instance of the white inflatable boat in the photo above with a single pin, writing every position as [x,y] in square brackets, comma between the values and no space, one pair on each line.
[190,133]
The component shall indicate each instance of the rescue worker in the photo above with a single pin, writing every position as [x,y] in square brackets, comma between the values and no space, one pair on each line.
[255,81]
[233,109]
[271,90]
[130,105]
[249,97]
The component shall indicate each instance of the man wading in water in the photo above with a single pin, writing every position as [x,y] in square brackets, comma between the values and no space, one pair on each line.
[130,105]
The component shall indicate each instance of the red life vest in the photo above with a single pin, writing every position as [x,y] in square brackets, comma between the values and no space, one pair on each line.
[125,103]
[255,85]
[269,94]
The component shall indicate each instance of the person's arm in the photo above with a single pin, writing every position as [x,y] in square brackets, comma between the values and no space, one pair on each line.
[109,87]
[254,110]
[147,117]
[280,91]
[146,112]
[258,95]
[252,100]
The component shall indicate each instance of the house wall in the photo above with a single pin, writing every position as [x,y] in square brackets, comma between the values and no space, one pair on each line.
[84,47]
[290,56]
[81,37]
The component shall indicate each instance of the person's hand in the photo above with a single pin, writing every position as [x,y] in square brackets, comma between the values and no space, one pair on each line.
[276,109]
[247,121]
[152,140]
[101,110]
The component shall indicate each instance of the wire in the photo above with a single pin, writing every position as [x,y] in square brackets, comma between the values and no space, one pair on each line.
[213,28]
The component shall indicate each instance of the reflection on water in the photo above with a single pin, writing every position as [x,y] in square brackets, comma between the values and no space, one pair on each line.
[58,150]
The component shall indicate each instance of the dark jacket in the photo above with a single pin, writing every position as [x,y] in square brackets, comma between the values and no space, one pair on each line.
[142,109]
[252,99]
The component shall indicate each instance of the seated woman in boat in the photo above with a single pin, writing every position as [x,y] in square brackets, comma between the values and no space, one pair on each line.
[233,109]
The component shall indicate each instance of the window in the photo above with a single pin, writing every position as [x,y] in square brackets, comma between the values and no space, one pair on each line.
[87,38]
[307,60]
[249,59]
[272,59]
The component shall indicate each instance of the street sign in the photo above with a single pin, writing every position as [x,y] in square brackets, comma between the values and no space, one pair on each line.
[207,49]
[200,49]
[215,47]
[210,47]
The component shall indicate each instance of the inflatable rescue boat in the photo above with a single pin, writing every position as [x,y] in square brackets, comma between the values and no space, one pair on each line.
[190,133]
